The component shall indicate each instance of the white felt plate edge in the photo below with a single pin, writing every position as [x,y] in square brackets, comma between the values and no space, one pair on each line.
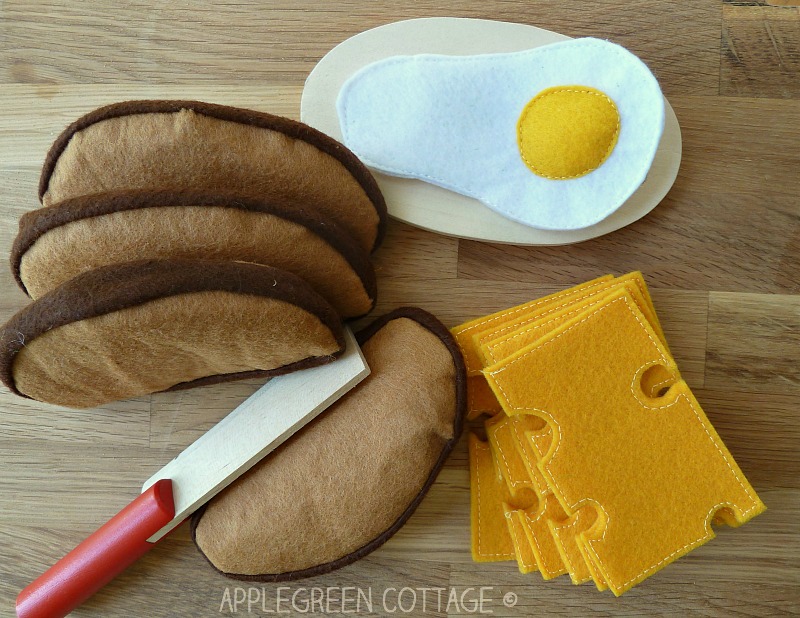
[439,210]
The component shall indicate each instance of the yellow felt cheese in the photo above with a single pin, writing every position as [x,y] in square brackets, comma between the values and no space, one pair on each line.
[496,344]
[534,437]
[503,442]
[653,468]
[537,429]
[534,310]
[464,332]
[524,314]
[491,540]
[480,398]
[506,436]
[565,533]
[531,437]
[564,529]
[522,425]
[526,560]
[535,524]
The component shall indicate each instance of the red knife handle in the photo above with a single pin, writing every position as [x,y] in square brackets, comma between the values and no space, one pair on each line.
[101,557]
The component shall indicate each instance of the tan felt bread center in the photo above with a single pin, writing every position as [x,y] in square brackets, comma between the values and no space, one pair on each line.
[154,346]
[192,151]
[194,232]
[347,477]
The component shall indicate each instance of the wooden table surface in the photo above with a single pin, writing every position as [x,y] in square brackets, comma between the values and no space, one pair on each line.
[721,254]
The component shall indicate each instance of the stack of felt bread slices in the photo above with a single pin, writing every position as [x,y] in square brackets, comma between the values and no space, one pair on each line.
[181,244]
[185,243]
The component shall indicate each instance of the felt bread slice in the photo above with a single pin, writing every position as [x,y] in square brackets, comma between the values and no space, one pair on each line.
[349,480]
[131,329]
[58,242]
[189,145]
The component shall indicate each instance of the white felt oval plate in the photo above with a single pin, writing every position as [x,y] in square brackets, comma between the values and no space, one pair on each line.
[440,210]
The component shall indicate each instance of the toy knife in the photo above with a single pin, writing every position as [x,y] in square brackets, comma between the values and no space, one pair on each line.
[258,426]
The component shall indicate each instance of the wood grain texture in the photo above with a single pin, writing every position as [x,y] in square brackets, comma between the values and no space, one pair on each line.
[760,50]
[56,42]
[752,342]
[722,256]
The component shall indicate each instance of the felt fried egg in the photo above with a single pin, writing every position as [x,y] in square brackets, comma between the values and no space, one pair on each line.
[557,137]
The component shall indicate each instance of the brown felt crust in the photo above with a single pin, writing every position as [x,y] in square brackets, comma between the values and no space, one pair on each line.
[38,222]
[119,286]
[262,120]
[433,325]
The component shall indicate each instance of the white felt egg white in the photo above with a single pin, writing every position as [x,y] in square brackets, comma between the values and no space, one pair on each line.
[457,122]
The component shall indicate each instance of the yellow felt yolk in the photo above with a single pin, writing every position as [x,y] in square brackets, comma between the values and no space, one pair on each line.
[567,131]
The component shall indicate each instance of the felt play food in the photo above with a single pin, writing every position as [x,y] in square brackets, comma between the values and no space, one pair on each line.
[348,481]
[677,494]
[491,537]
[132,329]
[58,242]
[480,399]
[509,319]
[534,504]
[484,340]
[523,549]
[586,375]
[431,207]
[189,145]
[496,343]
[557,137]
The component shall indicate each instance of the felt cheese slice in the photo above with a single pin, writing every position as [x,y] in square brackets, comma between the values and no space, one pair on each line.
[520,441]
[480,398]
[496,322]
[535,524]
[534,437]
[487,339]
[523,550]
[189,145]
[496,480]
[502,438]
[557,137]
[58,242]
[348,481]
[538,435]
[536,323]
[499,341]
[680,469]
[491,539]
[509,438]
[543,537]
[565,533]
[132,329]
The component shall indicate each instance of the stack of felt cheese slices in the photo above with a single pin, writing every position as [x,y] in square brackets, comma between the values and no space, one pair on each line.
[182,243]
[599,461]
